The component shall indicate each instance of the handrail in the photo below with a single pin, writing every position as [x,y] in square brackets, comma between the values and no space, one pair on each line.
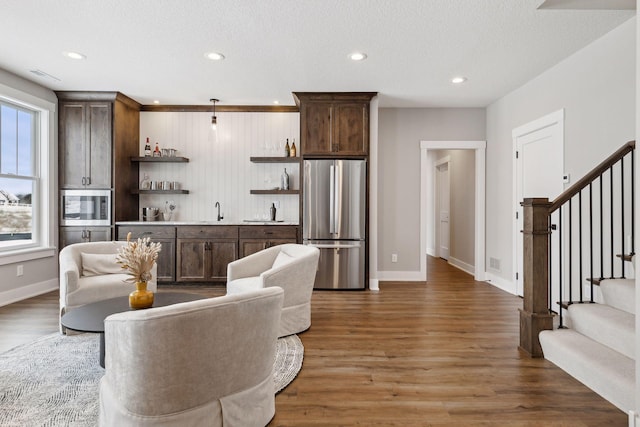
[591,176]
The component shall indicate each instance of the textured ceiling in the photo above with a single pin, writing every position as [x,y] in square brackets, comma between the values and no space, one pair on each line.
[154,49]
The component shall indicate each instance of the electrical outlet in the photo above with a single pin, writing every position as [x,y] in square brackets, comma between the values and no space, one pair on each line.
[394,257]
[20,270]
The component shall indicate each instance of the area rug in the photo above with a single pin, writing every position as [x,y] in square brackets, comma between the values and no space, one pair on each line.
[54,381]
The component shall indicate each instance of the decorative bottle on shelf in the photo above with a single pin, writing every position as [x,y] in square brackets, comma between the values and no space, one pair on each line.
[147,149]
[284,180]
[293,148]
[272,210]
[156,152]
[287,150]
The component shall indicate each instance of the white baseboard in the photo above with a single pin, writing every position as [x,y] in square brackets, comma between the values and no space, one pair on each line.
[400,276]
[501,283]
[431,251]
[24,292]
[373,285]
[467,268]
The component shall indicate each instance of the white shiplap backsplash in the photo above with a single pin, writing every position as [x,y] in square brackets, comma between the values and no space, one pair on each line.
[219,169]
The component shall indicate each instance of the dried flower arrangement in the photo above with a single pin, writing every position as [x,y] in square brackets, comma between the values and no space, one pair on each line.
[138,257]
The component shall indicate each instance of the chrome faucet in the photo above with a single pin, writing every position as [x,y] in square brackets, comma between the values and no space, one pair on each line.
[219,216]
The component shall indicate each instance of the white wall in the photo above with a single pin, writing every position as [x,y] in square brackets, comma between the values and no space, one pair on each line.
[40,268]
[220,170]
[400,133]
[596,87]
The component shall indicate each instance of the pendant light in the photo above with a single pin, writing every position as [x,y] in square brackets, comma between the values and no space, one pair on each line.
[214,119]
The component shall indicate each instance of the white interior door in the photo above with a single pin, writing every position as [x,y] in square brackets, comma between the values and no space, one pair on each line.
[443,203]
[539,168]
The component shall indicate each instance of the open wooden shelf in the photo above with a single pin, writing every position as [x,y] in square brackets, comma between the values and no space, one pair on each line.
[275,191]
[275,159]
[160,159]
[159,191]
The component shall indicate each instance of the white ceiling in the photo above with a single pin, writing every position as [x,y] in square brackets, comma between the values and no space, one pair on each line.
[154,49]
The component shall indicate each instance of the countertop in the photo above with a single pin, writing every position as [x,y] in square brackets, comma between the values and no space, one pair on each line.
[230,222]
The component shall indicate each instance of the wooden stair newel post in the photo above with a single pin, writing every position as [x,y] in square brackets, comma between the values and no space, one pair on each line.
[535,315]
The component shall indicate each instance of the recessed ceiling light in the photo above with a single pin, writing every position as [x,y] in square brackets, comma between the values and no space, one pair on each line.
[458,80]
[358,56]
[74,55]
[156,101]
[214,56]
[276,102]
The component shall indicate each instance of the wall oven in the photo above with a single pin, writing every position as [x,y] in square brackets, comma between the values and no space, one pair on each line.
[85,207]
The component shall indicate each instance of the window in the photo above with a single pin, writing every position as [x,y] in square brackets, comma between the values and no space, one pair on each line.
[19,177]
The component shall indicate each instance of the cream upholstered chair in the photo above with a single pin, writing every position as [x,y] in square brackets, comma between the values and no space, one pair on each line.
[89,273]
[290,266]
[200,363]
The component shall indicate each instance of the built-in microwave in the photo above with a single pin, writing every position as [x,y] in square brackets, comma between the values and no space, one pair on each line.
[85,207]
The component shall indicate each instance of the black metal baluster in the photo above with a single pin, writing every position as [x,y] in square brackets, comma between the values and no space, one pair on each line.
[570,253]
[591,235]
[549,263]
[580,244]
[560,262]
[601,233]
[611,219]
[633,205]
[621,217]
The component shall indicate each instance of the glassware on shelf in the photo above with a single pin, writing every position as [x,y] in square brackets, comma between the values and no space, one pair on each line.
[145,183]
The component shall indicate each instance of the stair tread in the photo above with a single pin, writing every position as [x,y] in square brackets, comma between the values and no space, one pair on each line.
[626,257]
[602,369]
[619,293]
[604,324]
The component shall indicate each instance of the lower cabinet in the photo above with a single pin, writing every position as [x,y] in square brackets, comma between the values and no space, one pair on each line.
[255,238]
[194,253]
[204,252]
[163,234]
[69,235]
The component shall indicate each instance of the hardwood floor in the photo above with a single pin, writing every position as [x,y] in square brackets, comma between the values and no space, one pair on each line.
[442,353]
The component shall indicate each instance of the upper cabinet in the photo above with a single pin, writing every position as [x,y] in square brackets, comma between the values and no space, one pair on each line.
[85,144]
[98,133]
[334,123]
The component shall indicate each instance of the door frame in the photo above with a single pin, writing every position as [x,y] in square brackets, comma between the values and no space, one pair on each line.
[557,117]
[426,208]
[437,208]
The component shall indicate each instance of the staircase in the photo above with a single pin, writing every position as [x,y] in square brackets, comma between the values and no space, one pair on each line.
[597,346]
[585,327]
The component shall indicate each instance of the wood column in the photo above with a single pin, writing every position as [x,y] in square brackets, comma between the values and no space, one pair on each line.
[535,315]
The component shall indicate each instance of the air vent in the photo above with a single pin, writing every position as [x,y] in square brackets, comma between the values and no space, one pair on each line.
[44,75]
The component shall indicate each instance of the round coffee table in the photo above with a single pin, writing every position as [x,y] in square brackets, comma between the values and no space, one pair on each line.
[90,317]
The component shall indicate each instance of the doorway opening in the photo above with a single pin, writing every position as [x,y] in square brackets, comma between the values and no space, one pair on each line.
[427,200]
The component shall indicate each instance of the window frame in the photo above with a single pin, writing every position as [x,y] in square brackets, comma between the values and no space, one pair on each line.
[44,201]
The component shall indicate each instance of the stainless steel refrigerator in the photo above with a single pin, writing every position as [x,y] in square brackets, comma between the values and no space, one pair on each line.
[334,220]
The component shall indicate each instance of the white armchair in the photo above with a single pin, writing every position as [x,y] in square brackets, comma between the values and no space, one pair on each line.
[201,363]
[89,273]
[290,266]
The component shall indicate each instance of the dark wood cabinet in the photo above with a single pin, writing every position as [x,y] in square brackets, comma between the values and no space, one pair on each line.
[194,253]
[85,144]
[204,252]
[69,235]
[163,234]
[334,123]
[98,133]
[255,238]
